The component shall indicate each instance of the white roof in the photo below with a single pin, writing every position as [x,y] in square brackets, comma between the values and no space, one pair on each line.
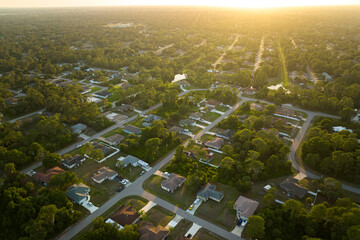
[109,220]
[179,77]
[142,163]
[341,128]
[111,116]
[94,99]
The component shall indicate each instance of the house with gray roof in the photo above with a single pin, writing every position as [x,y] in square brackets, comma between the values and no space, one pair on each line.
[208,191]
[130,129]
[293,188]
[78,193]
[245,207]
[216,143]
[133,161]
[79,128]
[149,119]
[74,161]
[187,122]
[115,139]
[173,182]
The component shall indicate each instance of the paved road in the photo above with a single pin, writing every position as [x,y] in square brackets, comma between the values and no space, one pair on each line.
[27,115]
[136,188]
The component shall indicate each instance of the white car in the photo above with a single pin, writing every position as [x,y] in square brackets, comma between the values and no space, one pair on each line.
[196,201]
[243,223]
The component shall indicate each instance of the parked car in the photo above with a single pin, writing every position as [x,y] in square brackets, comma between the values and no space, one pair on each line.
[142,173]
[191,207]
[239,222]
[197,200]
[244,223]
[125,181]
[166,174]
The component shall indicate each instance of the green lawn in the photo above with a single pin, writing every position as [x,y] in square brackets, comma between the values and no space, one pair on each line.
[222,108]
[137,122]
[221,214]
[194,129]
[90,132]
[182,197]
[180,229]
[113,132]
[159,216]
[203,234]
[94,89]
[211,116]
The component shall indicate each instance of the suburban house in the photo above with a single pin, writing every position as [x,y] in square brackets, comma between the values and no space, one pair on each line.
[79,128]
[125,216]
[149,232]
[103,94]
[257,107]
[216,143]
[293,188]
[115,139]
[183,83]
[225,134]
[102,147]
[187,122]
[125,108]
[125,85]
[176,129]
[249,91]
[173,182]
[212,103]
[341,128]
[196,116]
[149,119]
[78,193]
[245,207]
[11,101]
[133,161]
[45,178]
[103,174]
[74,161]
[208,191]
[130,129]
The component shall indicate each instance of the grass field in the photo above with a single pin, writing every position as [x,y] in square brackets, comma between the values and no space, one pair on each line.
[211,116]
[113,132]
[222,108]
[182,197]
[159,216]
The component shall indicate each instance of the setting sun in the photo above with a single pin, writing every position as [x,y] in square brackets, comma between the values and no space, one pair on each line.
[224,3]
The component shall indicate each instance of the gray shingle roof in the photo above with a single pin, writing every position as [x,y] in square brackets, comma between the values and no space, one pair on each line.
[208,191]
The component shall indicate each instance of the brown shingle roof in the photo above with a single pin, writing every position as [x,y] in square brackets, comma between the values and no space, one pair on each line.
[246,206]
[46,177]
[149,232]
[174,182]
[125,216]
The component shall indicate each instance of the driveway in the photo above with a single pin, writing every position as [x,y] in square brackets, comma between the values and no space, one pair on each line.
[192,211]
[174,222]
[148,206]
[89,206]
[193,230]
[238,230]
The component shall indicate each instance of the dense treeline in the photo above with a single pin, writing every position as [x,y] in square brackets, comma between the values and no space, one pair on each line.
[294,220]
[333,153]
[27,213]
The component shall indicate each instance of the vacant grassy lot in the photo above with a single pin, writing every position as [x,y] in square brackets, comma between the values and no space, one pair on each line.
[159,216]
[180,229]
[206,234]
[211,116]
[222,213]
[182,197]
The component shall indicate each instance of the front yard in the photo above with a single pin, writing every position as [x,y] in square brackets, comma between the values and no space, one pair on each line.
[206,234]
[220,213]
[182,197]
[159,216]
[180,229]
[211,116]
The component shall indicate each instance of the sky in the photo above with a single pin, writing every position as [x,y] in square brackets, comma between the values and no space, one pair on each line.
[227,3]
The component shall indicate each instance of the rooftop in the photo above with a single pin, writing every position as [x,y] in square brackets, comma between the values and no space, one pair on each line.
[246,206]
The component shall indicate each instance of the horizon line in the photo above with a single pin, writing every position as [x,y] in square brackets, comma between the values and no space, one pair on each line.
[197,6]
